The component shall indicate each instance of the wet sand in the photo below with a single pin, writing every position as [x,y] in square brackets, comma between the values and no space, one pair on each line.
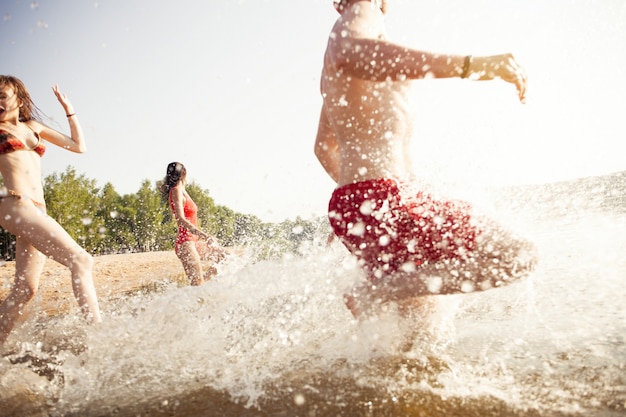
[114,275]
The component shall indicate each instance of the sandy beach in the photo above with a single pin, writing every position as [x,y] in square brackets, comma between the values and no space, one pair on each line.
[113,275]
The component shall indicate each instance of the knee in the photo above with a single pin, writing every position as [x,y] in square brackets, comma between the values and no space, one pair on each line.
[81,262]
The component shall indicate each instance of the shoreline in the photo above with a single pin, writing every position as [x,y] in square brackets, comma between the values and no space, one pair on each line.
[113,275]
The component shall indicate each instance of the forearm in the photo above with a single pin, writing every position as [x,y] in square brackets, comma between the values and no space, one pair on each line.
[485,68]
[76,141]
[76,133]
[193,229]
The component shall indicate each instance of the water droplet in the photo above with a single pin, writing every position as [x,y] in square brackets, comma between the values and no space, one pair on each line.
[408,267]
[357,229]
[434,284]
[467,286]
[299,399]
[367,207]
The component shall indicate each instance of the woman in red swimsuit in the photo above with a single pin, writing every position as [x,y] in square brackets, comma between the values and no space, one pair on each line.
[188,248]
[22,205]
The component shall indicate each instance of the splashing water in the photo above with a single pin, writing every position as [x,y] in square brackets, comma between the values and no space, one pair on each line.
[273,338]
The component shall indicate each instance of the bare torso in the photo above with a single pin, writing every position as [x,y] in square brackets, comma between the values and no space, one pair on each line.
[372,121]
[21,169]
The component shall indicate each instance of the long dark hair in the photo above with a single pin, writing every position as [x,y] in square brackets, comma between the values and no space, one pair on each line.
[174,174]
[28,110]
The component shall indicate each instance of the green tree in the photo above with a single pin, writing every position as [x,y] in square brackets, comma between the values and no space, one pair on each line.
[72,200]
[7,240]
[148,217]
[7,245]
[118,234]
[225,218]
[248,228]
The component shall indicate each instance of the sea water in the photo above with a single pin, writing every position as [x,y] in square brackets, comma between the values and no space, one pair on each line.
[273,338]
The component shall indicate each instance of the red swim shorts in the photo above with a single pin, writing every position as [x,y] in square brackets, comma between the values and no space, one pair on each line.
[388,231]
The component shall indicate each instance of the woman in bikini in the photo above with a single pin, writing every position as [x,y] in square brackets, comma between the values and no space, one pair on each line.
[188,248]
[22,205]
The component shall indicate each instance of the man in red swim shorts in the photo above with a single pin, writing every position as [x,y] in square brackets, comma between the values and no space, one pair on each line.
[409,243]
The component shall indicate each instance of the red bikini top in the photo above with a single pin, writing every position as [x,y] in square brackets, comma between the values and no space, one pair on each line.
[9,143]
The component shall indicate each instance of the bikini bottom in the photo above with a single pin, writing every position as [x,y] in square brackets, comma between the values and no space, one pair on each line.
[6,193]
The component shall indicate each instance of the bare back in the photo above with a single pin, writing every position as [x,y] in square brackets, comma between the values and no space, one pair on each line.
[371,120]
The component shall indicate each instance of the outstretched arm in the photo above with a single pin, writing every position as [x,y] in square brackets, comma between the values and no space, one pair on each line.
[326,147]
[75,142]
[379,60]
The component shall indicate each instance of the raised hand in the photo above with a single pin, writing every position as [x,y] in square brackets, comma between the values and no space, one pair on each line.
[65,102]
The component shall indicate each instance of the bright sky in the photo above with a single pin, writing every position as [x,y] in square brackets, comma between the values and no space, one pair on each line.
[230,89]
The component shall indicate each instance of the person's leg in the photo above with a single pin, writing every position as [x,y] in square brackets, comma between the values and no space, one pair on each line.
[212,253]
[81,266]
[500,257]
[497,257]
[27,222]
[29,263]
[189,257]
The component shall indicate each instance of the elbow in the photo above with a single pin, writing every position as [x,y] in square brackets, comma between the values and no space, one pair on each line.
[321,152]
[80,147]
[76,147]
[340,57]
[340,63]
[318,152]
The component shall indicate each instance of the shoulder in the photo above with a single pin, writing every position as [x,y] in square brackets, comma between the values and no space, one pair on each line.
[45,132]
[362,19]
[175,192]
[36,126]
[358,22]
[178,192]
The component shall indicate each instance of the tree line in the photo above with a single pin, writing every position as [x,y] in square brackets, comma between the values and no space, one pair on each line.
[105,222]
